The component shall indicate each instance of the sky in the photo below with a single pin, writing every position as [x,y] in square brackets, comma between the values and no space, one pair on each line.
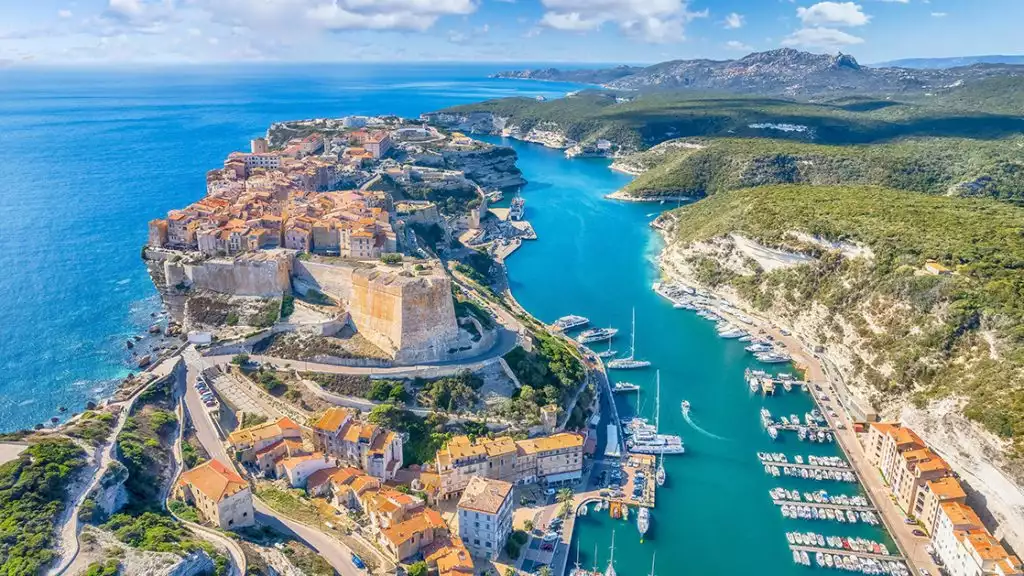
[122,32]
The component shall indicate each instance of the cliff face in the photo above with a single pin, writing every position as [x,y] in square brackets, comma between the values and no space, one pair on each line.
[493,167]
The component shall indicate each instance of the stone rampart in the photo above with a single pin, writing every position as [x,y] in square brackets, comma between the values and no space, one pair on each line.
[265,274]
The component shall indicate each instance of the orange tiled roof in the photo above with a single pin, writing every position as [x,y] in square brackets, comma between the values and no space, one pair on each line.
[961,515]
[985,546]
[404,531]
[332,419]
[947,488]
[485,495]
[215,480]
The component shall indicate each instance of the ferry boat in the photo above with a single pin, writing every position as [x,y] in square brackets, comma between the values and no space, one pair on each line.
[569,322]
[643,522]
[629,362]
[686,407]
[625,387]
[517,208]
[596,335]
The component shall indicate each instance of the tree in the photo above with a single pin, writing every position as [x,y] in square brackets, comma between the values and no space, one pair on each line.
[387,415]
[391,258]
[528,525]
[418,569]
[544,571]
[510,571]
[565,495]
[240,359]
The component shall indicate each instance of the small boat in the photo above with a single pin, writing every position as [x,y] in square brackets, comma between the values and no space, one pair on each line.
[625,387]
[659,476]
[596,335]
[643,521]
[796,556]
[569,322]
[686,406]
[773,432]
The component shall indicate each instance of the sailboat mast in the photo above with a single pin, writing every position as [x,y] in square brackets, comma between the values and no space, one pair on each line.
[653,556]
[632,336]
[657,399]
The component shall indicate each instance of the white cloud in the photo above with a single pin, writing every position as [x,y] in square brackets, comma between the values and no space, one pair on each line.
[733,21]
[939,14]
[64,14]
[833,14]
[898,1]
[739,46]
[656,21]
[827,38]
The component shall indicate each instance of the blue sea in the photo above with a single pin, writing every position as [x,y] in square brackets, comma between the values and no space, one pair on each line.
[87,157]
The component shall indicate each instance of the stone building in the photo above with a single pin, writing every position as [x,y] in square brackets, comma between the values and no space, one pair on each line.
[219,493]
[373,449]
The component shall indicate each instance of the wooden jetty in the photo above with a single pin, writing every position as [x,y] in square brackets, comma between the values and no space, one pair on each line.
[844,552]
[823,505]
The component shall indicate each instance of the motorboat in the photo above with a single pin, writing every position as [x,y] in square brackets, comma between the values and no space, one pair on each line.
[596,335]
[773,357]
[625,387]
[686,406]
[659,476]
[569,322]
[643,521]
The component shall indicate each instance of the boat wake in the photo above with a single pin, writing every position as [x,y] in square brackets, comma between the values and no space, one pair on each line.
[701,430]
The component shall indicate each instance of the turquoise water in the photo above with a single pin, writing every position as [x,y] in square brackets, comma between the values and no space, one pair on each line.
[87,157]
[594,257]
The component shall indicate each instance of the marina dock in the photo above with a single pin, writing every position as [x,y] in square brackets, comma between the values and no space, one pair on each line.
[822,505]
[810,466]
[869,555]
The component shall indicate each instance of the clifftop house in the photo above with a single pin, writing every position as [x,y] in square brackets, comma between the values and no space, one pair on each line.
[367,446]
[219,493]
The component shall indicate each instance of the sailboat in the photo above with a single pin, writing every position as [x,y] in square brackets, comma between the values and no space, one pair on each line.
[647,440]
[659,476]
[611,559]
[609,353]
[629,362]
[653,556]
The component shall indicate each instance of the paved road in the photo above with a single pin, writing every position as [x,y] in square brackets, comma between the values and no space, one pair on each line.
[332,550]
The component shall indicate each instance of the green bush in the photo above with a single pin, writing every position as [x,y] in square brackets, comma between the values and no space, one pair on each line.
[391,258]
[32,491]
[287,306]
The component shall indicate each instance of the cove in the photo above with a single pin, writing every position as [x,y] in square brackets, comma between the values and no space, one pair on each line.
[595,257]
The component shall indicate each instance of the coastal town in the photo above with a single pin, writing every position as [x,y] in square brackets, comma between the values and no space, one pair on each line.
[354,380]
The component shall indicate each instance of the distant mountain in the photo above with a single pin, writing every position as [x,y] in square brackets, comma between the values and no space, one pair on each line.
[783,72]
[936,63]
[581,76]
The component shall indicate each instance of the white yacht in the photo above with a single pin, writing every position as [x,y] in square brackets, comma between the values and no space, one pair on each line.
[645,438]
[625,387]
[597,335]
[773,357]
[629,362]
[570,322]
[659,476]
[643,521]
[517,209]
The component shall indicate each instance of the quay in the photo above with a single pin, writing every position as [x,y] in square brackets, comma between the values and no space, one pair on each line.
[795,427]
[824,505]
[844,552]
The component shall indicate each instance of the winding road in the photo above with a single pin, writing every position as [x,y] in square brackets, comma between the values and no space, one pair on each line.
[332,550]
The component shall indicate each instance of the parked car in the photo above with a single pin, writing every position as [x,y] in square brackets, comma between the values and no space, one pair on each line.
[358,562]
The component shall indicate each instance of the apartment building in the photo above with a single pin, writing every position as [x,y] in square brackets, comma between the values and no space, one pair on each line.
[551,459]
[410,537]
[966,548]
[369,447]
[261,445]
[485,516]
[219,494]
[906,464]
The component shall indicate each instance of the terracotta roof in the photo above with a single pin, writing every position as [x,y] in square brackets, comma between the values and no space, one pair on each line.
[485,495]
[924,460]
[320,477]
[449,555]
[290,463]
[288,443]
[961,515]
[418,524]
[253,434]
[215,480]
[947,489]
[550,443]
[985,546]
[332,419]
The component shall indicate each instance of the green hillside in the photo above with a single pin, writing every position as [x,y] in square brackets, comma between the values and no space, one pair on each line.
[935,343]
[962,167]
[646,119]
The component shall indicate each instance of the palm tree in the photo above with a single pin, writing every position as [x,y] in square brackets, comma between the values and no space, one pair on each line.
[565,495]
[544,571]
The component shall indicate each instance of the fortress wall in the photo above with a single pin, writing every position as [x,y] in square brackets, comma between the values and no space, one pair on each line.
[332,280]
[375,306]
[429,327]
[265,277]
